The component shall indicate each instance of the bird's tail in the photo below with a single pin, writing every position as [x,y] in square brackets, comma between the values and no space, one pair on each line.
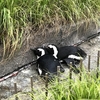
[82,53]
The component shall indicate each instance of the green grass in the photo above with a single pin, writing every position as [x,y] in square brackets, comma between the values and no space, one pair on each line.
[15,15]
[87,88]
[66,89]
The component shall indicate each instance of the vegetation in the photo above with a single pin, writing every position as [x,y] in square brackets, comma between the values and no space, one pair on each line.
[16,14]
[87,88]
[79,90]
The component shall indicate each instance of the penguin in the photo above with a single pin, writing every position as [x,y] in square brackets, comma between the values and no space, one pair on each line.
[46,63]
[63,52]
[67,55]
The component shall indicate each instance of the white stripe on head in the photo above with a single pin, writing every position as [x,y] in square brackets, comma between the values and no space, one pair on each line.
[75,57]
[42,51]
[54,49]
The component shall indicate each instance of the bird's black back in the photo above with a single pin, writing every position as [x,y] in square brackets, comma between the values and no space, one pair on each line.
[48,63]
[65,51]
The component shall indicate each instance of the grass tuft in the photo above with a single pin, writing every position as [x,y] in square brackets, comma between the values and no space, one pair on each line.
[69,89]
[16,14]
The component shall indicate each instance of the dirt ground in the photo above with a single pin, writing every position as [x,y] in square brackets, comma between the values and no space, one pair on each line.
[25,55]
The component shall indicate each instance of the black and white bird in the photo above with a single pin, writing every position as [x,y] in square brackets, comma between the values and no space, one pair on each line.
[46,63]
[64,52]
[67,55]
